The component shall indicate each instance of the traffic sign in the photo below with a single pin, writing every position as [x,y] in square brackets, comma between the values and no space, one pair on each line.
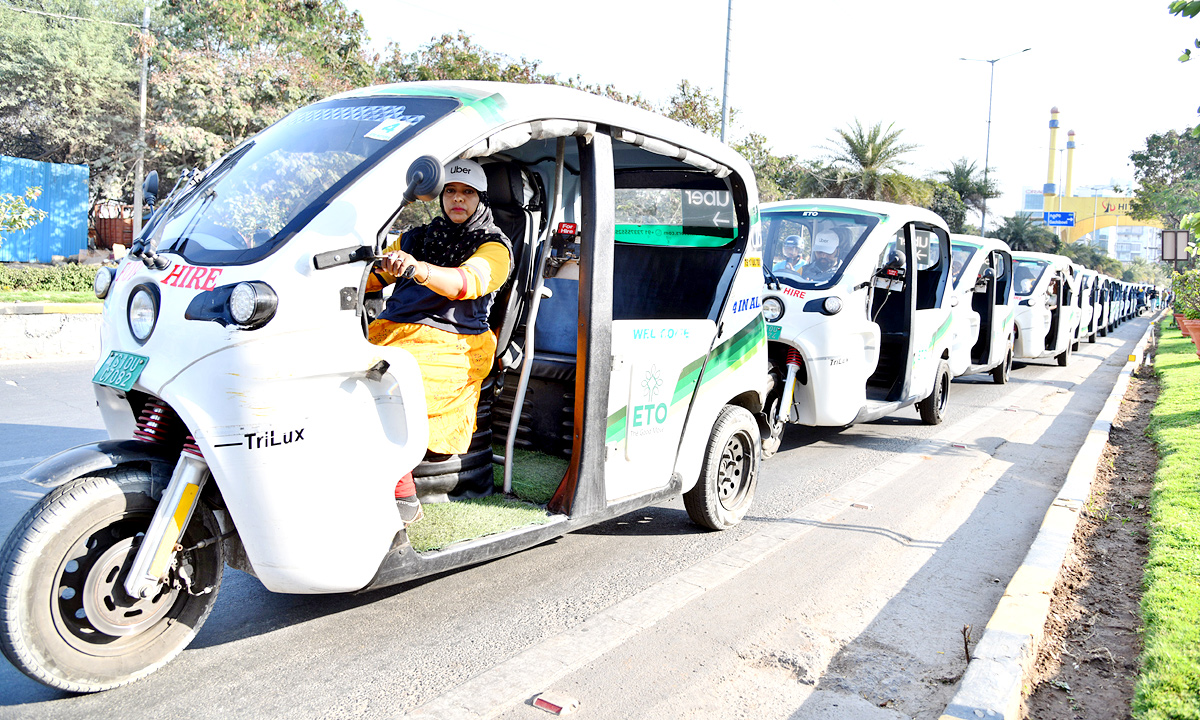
[1060,219]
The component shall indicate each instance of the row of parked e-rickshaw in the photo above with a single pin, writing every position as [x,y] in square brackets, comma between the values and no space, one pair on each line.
[871,307]
[253,425]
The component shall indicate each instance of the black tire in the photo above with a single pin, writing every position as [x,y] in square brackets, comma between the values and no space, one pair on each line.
[729,475]
[933,408]
[1064,357]
[1001,372]
[65,619]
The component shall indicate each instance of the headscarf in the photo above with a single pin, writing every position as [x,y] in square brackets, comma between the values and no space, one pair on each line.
[446,243]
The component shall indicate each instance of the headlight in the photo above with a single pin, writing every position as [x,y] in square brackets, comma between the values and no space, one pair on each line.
[103,282]
[772,309]
[143,312]
[832,305]
[252,304]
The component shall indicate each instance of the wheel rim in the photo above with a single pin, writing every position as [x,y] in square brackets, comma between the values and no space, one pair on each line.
[733,477]
[90,609]
[943,391]
[108,607]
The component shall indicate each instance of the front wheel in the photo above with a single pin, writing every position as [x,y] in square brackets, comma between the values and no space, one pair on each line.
[65,619]
[771,443]
[729,475]
[1064,357]
[933,408]
[1001,372]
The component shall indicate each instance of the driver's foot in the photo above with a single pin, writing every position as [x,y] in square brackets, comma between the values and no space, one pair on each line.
[410,509]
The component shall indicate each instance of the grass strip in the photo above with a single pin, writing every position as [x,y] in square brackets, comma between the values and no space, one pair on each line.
[1169,682]
[535,475]
[447,523]
[47,296]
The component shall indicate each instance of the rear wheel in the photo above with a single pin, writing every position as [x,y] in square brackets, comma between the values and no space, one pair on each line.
[65,619]
[933,408]
[729,475]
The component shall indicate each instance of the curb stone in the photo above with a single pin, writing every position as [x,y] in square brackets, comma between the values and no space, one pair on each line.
[996,675]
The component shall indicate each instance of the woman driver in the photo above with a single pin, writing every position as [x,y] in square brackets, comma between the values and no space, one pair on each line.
[457,263]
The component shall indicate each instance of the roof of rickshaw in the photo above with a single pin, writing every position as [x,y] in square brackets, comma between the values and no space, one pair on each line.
[503,104]
[1055,260]
[883,210]
[980,242]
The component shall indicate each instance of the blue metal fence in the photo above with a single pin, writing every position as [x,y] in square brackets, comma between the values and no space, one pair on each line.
[64,197]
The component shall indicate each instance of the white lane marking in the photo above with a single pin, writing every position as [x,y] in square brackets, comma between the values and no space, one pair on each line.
[531,671]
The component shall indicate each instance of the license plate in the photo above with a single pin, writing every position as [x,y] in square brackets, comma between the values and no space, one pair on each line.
[773,332]
[120,370]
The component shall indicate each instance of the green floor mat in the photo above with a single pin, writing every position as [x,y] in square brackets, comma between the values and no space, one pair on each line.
[535,475]
[447,523]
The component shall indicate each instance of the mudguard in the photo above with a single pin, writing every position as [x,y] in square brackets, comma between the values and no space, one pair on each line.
[103,455]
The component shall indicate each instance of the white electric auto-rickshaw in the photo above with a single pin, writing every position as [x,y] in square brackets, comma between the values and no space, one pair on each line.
[858,322]
[253,424]
[1090,308]
[982,307]
[1047,314]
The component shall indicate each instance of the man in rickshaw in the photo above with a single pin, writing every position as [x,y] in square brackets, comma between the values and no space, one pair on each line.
[825,257]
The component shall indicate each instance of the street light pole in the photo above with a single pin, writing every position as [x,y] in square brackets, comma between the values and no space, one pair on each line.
[725,88]
[988,147]
[139,166]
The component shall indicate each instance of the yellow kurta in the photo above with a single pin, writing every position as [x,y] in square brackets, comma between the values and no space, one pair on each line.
[453,366]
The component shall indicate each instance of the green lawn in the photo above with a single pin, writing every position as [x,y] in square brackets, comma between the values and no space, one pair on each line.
[1169,684]
[47,296]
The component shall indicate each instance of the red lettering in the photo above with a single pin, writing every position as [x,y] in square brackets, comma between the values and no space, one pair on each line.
[211,282]
[196,281]
[174,275]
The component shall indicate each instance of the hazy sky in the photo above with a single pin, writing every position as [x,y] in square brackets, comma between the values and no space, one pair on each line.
[798,70]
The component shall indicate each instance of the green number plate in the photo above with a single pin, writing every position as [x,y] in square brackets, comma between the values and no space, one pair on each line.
[120,370]
[773,332]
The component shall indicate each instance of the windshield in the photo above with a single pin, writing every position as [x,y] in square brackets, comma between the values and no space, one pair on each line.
[256,198]
[809,248]
[960,256]
[1027,273]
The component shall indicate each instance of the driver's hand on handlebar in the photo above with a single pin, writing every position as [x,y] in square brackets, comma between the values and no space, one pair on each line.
[394,263]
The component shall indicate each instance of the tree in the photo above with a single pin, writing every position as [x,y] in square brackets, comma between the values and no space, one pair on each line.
[780,177]
[1167,172]
[947,203]
[70,86]
[866,161]
[692,106]
[226,69]
[457,57]
[1022,233]
[964,178]
[16,214]
[1093,257]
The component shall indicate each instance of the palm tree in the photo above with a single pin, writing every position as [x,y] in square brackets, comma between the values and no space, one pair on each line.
[1021,232]
[866,163]
[963,177]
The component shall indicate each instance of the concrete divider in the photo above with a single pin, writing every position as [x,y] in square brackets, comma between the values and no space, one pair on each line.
[48,330]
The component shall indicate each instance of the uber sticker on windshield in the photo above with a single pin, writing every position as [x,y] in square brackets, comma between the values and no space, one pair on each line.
[389,129]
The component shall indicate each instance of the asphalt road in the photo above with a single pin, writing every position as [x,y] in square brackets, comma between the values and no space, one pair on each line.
[844,594]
